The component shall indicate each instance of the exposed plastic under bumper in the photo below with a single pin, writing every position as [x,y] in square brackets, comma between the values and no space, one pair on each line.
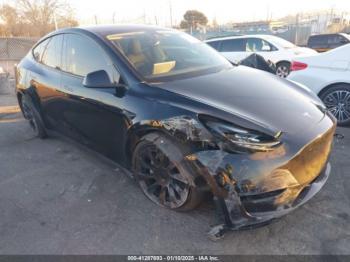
[252,190]
[237,217]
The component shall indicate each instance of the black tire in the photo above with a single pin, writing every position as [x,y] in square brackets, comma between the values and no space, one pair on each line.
[337,100]
[33,117]
[163,178]
[283,69]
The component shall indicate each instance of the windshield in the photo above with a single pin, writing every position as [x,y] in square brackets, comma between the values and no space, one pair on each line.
[281,42]
[160,54]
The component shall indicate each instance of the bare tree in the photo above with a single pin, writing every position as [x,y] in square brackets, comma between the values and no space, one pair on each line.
[9,16]
[37,17]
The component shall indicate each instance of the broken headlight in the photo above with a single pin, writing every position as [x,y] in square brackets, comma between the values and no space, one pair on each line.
[238,139]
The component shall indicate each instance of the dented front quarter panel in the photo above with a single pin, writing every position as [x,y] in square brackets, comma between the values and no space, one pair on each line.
[254,188]
[267,185]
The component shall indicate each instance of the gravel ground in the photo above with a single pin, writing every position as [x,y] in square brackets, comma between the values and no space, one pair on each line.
[58,198]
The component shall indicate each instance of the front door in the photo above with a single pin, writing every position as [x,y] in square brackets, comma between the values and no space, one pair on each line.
[94,115]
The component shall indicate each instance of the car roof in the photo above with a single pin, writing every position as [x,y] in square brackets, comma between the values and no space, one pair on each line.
[321,35]
[105,30]
[240,36]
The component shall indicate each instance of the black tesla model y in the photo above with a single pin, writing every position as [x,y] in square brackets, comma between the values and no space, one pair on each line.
[184,120]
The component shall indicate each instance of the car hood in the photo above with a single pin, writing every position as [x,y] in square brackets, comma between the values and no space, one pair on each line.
[255,96]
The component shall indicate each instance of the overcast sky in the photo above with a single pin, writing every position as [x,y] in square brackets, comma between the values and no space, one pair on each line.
[223,10]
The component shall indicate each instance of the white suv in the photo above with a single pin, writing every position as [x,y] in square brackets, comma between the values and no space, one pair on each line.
[273,48]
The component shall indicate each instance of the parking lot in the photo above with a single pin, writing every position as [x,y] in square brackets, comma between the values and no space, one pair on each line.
[58,198]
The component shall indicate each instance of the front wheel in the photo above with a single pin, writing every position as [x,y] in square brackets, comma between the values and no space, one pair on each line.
[337,100]
[161,175]
[283,69]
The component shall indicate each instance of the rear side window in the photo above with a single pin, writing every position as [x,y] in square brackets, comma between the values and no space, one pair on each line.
[318,40]
[214,44]
[39,49]
[334,39]
[327,41]
[233,45]
[53,52]
[337,39]
[83,56]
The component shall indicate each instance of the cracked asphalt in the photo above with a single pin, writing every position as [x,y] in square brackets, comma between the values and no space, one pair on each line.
[59,198]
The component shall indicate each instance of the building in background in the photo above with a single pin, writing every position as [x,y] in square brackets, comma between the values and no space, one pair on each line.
[294,28]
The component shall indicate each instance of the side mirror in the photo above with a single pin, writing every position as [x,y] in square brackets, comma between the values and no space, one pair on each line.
[98,79]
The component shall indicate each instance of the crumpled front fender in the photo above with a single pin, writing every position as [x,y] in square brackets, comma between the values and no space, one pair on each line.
[250,190]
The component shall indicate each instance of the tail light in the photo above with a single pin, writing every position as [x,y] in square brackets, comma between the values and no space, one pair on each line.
[296,66]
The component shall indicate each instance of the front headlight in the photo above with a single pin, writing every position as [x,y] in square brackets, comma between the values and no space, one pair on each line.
[239,139]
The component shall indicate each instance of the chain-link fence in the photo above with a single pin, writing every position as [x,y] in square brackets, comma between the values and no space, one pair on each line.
[12,50]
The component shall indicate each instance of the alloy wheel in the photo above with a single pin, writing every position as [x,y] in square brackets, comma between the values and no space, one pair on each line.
[338,103]
[160,179]
[282,71]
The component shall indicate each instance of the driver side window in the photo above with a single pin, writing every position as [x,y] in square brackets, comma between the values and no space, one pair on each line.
[83,56]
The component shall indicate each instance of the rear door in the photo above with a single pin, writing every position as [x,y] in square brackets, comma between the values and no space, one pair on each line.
[234,49]
[46,77]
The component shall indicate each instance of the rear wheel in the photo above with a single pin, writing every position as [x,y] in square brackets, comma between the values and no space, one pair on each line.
[283,69]
[160,175]
[337,100]
[31,114]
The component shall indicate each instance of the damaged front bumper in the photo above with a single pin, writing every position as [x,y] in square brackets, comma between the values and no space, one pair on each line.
[235,215]
[251,190]
[241,212]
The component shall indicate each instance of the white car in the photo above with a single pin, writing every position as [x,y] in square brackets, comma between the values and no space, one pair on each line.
[328,75]
[273,48]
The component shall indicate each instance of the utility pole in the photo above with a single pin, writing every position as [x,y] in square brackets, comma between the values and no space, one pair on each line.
[95,19]
[171,13]
[296,29]
[55,21]
[267,13]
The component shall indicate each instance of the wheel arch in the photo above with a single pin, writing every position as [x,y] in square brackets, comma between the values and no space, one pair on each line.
[19,96]
[283,61]
[173,131]
[134,136]
[174,128]
[324,89]
[34,97]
